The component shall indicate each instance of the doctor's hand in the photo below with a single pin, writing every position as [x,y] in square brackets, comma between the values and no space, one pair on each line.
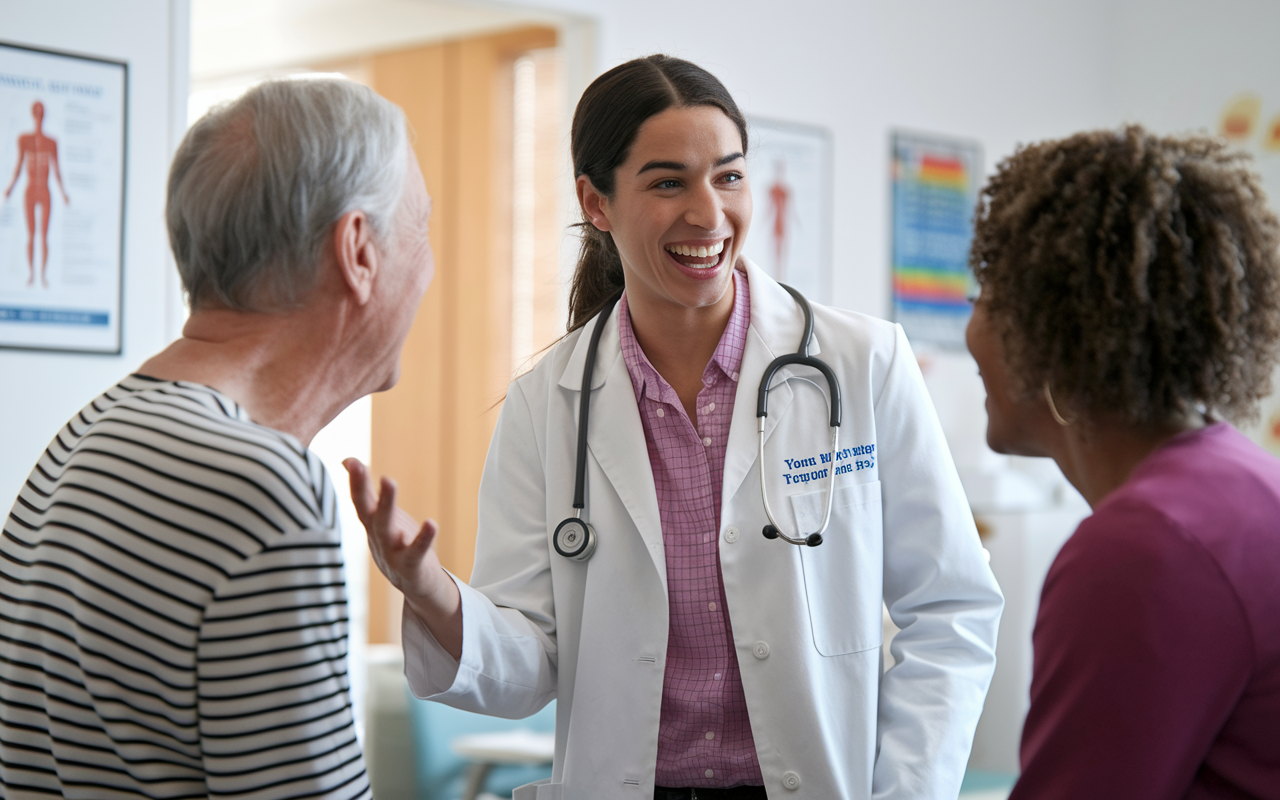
[404,552]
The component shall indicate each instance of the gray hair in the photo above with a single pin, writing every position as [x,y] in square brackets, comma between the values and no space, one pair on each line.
[257,184]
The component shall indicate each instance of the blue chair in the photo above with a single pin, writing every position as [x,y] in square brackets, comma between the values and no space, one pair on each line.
[441,773]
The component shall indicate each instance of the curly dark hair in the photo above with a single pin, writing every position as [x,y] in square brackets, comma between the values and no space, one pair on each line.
[1135,275]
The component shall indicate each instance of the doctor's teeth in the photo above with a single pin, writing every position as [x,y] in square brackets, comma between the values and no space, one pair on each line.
[697,252]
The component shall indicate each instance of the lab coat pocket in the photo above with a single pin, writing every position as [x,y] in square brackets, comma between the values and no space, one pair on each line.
[843,576]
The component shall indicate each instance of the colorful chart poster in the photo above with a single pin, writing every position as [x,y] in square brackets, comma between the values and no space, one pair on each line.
[789,166]
[62,158]
[935,187]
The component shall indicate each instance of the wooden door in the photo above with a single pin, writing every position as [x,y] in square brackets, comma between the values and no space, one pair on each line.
[431,432]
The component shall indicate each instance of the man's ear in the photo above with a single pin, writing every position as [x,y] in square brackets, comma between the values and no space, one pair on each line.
[594,204]
[355,254]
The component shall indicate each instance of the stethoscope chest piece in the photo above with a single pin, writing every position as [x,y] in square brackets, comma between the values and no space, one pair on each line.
[574,539]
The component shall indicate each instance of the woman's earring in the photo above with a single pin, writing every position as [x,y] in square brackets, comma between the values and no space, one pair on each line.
[1058,418]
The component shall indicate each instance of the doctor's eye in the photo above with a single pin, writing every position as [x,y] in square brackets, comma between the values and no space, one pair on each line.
[669,183]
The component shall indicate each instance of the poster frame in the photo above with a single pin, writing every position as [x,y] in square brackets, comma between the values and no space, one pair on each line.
[977,154]
[123,205]
[823,142]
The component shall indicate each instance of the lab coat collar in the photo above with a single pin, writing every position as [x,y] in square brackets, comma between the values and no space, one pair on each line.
[610,348]
[777,323]
[775,314]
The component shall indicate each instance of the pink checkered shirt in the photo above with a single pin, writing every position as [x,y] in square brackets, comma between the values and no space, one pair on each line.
[704,738]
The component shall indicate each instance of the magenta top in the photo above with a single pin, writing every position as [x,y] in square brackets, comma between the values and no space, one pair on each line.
[1157,645]
[704,737]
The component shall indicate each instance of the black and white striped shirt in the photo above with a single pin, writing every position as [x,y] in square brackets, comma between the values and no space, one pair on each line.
[173,614]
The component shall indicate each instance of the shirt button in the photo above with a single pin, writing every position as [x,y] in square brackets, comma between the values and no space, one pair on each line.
[760,650]
[711,606]
[711,407]
[711,773]
[710,735]
[707,441]
[717,676]
[791,780]
[661,413]
[731,535]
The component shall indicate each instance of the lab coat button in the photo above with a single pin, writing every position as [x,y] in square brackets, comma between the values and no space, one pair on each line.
[791,781]
[761,651]
[731,535]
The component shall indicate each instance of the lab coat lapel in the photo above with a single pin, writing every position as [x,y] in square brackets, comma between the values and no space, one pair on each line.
[777,323]
[615,436]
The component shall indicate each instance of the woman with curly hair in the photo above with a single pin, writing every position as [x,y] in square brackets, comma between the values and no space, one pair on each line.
[1130,303]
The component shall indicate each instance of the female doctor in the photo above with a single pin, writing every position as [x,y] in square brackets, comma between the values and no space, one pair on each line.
[690,655]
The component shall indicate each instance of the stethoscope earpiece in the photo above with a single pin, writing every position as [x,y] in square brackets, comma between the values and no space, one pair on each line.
[812,540]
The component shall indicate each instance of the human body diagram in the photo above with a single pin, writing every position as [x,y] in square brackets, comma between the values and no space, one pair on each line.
[40,153]
[781,215]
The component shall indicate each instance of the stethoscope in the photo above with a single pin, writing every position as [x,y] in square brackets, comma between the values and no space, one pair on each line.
[575,539]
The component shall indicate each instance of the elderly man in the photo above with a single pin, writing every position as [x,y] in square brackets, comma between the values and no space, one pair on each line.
[173,617]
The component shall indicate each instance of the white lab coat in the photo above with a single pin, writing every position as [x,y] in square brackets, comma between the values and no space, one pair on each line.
[806,622]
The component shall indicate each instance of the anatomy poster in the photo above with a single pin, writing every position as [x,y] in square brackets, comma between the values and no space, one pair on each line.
[935,187]
[790,236]
[62,142]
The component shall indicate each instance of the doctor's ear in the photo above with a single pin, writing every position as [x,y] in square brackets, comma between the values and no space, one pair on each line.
[594,204]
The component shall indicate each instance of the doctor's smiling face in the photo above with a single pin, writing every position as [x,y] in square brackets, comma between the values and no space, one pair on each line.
[680,208]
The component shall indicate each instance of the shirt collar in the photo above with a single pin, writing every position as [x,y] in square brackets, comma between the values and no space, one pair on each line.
[727,358]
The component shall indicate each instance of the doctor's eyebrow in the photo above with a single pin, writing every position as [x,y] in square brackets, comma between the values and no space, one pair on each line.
[678,166]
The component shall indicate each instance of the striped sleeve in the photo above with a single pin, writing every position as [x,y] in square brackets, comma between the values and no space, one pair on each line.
[274,708]
[173,618]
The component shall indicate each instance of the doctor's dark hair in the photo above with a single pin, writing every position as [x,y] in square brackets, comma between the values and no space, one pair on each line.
[605,125]
[1137,276]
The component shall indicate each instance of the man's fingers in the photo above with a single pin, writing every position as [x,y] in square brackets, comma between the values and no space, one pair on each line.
[426,535]
[385,513]
[362,495]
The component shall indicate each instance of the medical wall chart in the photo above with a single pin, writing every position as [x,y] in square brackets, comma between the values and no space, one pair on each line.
[790,236]
[62,159]
[935,187]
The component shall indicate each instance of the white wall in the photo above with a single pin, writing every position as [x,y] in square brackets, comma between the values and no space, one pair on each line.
[43,390]
[1000,71]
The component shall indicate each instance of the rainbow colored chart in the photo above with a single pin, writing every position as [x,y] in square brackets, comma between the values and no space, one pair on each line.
[934,192]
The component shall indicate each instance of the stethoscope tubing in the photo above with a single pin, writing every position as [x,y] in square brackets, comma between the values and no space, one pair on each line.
[584,404]
[802,358]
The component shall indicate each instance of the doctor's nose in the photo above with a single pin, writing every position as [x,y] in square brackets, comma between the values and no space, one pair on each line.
[705,209]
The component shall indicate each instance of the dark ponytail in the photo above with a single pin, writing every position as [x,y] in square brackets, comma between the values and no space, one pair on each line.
[605,125]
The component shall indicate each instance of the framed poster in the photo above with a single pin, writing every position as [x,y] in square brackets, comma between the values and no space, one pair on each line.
[935,188]
[62,161]
[790,237]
